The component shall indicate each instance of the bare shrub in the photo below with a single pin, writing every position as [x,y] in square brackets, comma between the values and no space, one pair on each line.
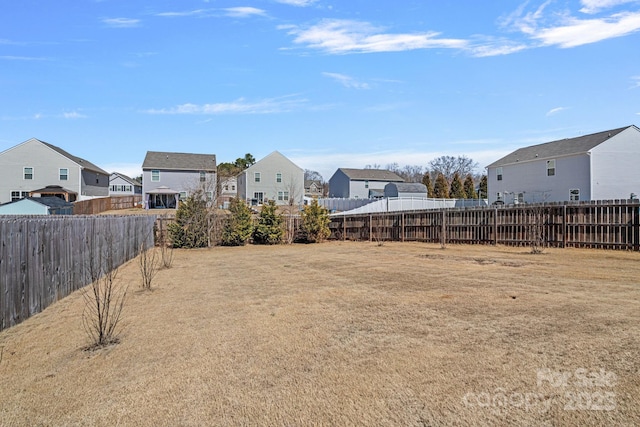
[148,263]
[104,301]
[166,251]
[536,229]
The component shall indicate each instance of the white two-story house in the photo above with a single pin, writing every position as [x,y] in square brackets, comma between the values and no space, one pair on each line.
[599,166]
[274,177]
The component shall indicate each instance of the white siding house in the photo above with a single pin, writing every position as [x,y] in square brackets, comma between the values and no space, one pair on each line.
[35,164]
[122,185]
[169,177]
[274,177]
[599,166]
[361,183]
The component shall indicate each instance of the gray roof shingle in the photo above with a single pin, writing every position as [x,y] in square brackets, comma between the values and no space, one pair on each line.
[559,148]
[79,160]
[371,175]
[179,161]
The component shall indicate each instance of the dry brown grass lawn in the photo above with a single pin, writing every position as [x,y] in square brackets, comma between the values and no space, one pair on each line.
[345,333]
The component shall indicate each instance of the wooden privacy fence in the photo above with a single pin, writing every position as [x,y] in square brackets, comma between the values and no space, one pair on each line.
[103,204]
[44,259]
[603,224]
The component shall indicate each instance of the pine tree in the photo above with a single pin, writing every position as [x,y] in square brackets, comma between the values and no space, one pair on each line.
[239,226]
[470,188]
[483,188]
[426,180]
[269,230]
[191,227]
[315,222]
[457,188]
[441,187]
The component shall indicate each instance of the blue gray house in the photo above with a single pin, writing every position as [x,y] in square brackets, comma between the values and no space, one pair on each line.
[170,177]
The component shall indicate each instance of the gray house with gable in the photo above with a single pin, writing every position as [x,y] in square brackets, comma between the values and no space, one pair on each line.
[361,183]
[599,166]
[35,165]
[169,177]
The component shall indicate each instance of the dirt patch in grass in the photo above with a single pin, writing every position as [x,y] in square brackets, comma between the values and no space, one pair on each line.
[345,333]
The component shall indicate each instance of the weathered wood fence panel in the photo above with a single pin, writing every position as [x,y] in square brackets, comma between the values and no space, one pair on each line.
[604,224]
[103,204]
[44,259]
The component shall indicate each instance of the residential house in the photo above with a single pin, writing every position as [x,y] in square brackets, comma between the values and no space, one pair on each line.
[228,190]
[405,189]
[274,177]
[313,188]
[170,177]
[37,206]
[122,185]
[599,166]
[361,183]
[36,164]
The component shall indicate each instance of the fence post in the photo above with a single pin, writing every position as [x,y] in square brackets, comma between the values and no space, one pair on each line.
[370,226]
[402,231]
[495,226]
[564,225]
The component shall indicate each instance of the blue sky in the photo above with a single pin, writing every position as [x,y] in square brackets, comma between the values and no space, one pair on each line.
[327,83]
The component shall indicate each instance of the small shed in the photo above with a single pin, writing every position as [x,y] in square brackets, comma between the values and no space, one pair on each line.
[37,206]
[405,189]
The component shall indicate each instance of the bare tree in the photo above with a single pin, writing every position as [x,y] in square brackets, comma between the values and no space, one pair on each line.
[410,173]
[103,299]
[310,175]
[449,165]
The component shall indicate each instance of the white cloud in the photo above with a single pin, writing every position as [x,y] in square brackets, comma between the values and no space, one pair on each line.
[121,22]
[346,81]
[73,115]
[240,106]
[346,36]
[555,111]
[301,3]
[243,12]
[576,32]
[196,12]
[595,6]
[22,58]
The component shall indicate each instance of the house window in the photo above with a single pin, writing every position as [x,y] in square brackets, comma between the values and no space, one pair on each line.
[499,174]
[226,188]
[280,195]
[97,179]
[155,175]
[28,173]
[551,167]
[574,195]
[278,177]
[183,195]
[203,176]
[209,196]
[17,195]
[366,184]
[233,187]
[64,174]
[256,177]
[258,197]
[286,196]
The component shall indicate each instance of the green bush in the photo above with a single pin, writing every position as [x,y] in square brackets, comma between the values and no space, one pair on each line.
[239,226]
[315,223]
[269,230]
[192,224]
